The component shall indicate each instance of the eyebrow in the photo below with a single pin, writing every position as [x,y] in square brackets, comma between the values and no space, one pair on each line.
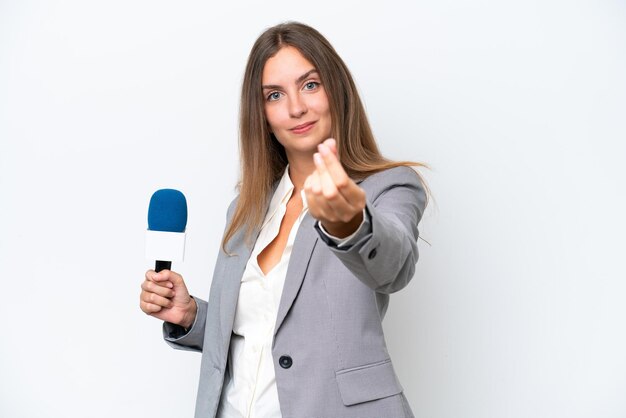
[298,80]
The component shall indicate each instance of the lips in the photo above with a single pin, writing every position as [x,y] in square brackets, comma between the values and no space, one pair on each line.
[305,127]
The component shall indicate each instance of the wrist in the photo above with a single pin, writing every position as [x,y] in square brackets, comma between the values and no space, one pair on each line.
[190,316]
[343,229]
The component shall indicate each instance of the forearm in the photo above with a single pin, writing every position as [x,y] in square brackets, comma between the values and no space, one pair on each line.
[383,256]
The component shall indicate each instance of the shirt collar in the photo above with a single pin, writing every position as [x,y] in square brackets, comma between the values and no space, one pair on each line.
[281,196]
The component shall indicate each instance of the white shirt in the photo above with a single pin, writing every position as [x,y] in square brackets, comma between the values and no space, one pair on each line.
[251,391]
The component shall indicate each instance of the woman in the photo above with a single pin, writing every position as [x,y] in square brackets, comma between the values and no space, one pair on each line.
[321,232]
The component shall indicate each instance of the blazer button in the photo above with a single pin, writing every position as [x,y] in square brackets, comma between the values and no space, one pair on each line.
[285,362]
[372,254]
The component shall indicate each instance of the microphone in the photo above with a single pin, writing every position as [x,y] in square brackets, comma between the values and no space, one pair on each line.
[167,219]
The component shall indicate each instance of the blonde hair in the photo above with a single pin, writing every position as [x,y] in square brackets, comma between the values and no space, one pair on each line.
[263,158]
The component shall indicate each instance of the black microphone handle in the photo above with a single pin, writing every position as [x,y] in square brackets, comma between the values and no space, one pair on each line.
[162,265]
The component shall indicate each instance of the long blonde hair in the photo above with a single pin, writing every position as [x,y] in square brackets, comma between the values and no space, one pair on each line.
[263,158]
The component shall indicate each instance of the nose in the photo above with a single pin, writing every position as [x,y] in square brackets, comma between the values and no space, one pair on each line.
[297,106]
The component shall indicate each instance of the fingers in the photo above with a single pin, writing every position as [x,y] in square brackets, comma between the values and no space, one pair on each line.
[156,292]
[332,144]
[166,278]
[330,165]
[330,168]
[151,302]
[330,176]
[325,201]
[149,308]
[152,287]
[332,195]
[154,299]
[165,296]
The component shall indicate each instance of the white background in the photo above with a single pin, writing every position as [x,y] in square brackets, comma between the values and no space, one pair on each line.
[518,306]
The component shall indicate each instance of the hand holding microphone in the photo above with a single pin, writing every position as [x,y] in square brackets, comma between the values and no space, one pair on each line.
[164,295]
[163,292]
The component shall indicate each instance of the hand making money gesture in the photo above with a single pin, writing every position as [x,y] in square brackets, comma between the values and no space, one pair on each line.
[333,198]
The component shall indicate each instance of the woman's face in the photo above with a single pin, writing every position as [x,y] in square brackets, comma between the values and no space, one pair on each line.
[296,105]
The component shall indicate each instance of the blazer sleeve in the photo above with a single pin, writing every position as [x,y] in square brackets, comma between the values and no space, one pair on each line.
[384,257]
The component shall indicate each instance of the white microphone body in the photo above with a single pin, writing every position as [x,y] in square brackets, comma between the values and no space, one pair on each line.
[165,246]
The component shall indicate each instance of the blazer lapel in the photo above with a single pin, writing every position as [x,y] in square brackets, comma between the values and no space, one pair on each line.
[234,267]
[303,247]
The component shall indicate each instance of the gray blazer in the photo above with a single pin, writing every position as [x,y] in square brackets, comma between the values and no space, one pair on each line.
[329,351]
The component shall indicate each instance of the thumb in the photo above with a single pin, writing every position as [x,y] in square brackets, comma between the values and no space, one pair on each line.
[332,144]
[165,276]
[178,284]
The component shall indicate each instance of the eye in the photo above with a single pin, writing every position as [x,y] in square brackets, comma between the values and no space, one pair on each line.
[311,85]
[273,96]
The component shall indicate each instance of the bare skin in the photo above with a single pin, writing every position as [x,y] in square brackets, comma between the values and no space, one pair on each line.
[165,296]
[270,256]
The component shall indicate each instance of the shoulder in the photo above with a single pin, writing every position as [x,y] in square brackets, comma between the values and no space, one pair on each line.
[399,188]
[401,176]
[231,208]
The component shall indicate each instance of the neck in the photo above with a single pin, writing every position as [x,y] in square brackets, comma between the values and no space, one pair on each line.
[299,170]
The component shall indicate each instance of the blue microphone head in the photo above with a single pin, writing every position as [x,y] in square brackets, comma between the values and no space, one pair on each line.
[167,211]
